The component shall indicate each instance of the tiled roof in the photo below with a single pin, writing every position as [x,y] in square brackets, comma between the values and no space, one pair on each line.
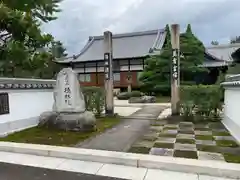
[128,45]
[223,52]
[215,64]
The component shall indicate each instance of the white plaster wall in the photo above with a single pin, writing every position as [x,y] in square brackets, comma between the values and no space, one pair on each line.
[25,108]
[232,111]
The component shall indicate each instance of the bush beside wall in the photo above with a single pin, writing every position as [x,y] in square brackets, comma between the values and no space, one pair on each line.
[201,102]
[128,95]
[95,99]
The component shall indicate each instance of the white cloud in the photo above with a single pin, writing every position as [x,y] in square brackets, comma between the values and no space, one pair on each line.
[210,19]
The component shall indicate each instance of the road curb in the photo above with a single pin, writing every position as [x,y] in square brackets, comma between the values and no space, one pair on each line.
[212,168]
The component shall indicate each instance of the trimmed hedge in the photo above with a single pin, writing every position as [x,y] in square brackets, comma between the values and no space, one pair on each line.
[94,99]
[127,95]
[201,102]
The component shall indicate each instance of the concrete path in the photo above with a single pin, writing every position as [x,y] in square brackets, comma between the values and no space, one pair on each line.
[19,172]
[121,137]
[15,166]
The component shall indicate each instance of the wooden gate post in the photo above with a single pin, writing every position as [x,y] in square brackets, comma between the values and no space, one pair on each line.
[175,69]
[108,69]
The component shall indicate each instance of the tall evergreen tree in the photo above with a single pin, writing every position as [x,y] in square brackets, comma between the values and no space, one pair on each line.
[156,76]
[235,40]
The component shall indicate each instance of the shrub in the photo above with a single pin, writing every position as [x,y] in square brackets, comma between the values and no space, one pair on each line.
[160,89]
[201,102]
[135,94]
[123,96]
[127,95]
[94,99]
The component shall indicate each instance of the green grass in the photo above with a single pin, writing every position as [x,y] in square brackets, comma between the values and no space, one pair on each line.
[170,128]
[186,141]
[232,158]
[185,132]
[140,150]
[186,154]
[167,135]
[164,145]
[204,137]
[47,136]
[202,129]
[163,99]
[207,148]
[154,124]
[221,133]
[227,143]
[149,138]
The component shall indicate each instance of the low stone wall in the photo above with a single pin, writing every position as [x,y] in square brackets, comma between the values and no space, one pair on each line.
[22,101]
[232,105]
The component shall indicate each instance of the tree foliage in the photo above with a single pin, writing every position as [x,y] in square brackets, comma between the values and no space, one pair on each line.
[215,43]
[24,50]
[156,76]
[235,40]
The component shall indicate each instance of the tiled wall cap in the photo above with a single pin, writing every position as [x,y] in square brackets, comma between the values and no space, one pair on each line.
[231,84]
[22,83]
[232,77]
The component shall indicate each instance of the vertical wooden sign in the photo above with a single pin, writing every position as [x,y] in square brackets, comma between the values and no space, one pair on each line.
[108,69]
[175,69]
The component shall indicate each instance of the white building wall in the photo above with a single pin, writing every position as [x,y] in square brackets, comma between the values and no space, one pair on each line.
[25,107]
[232,108]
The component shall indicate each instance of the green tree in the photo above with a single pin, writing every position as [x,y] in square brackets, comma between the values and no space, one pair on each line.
[156,76]
[58,50]
[24,49]
[215,43]
[235,40]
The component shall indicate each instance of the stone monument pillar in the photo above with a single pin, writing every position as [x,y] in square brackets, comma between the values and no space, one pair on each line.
[69,97]
[69,111]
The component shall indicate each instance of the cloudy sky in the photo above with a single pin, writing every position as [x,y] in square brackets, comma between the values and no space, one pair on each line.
[210,19]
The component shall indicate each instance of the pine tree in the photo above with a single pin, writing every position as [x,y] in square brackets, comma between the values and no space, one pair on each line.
[193,51]
[156,76]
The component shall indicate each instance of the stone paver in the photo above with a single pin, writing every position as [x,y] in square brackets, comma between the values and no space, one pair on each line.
[161,152]
[185,147]
[165,140]
[156,128]
[170,131]
[121,137]
[189,139]
[230,138]
[206,142]
[210,156]
[207,133]
[185,136]
[171,126]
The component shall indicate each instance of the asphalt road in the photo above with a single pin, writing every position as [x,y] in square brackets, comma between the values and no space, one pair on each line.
[18,172]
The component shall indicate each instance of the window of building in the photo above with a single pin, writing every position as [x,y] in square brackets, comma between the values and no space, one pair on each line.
[87,77]
[84,77]
[116,76]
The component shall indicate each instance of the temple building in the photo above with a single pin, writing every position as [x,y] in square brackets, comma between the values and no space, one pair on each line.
[130,50]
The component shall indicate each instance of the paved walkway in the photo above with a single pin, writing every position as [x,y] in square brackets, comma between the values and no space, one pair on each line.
[19,172]
[121,137]
[48,168]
